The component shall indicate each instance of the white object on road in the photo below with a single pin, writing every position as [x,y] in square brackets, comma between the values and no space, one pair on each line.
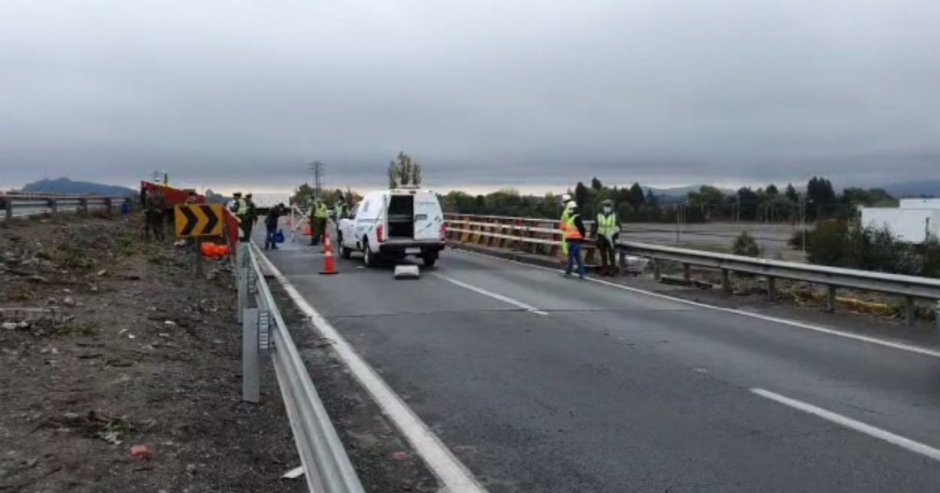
[407,272]
[905,443]
[294,473]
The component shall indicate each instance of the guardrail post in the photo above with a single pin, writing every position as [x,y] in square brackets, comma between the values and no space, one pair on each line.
[726,281]
[657,270]
[8,205]
[109,205]
[53,206]
[771,284]
[830,298]
[687,272]
[936,315]
[909,310]
[83,206]
[251,382]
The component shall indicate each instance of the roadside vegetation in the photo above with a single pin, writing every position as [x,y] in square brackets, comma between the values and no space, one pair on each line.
[843,244]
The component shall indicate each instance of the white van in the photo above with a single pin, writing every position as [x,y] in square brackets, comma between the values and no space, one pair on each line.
[394,224]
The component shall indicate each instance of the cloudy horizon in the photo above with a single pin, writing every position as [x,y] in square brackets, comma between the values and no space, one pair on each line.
[527,95]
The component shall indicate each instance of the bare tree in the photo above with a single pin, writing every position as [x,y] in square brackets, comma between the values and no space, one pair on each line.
[403,171]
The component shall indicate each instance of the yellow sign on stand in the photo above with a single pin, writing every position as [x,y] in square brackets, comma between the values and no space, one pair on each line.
[199,220]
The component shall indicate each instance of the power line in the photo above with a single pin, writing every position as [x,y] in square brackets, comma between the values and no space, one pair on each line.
[319,170]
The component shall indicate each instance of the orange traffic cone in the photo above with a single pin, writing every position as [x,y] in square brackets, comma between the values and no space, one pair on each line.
[308,231]
[329,262]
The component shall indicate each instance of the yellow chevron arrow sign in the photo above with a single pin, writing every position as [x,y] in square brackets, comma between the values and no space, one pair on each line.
[199,220]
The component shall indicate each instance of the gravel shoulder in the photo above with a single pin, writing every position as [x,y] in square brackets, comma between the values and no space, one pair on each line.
[108,343]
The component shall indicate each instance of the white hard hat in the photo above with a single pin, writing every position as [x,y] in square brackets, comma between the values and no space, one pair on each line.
[571,205]
[565,198]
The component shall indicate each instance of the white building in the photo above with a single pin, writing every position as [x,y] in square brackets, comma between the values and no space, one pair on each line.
[912,221]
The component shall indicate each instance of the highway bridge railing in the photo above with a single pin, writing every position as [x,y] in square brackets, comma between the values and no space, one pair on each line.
[264,333]
[28,205]
[542,236]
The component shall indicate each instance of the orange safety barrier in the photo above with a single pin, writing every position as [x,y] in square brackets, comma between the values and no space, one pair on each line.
[215,251]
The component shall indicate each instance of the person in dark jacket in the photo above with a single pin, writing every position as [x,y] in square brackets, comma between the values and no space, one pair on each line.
[574,235]
[270,223]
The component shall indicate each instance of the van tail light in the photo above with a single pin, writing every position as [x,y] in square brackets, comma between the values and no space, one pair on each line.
[380,233]
[444,232]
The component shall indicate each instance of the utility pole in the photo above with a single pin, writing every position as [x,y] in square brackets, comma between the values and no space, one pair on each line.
[318,169]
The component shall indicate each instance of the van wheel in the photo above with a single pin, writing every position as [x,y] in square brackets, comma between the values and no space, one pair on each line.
[367,256]
[344,252]
[429,259]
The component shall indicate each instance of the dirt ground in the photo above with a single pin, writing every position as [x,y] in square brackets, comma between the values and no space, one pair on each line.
[107,343]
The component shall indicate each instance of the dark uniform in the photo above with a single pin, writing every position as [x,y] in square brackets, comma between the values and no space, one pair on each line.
[155,203]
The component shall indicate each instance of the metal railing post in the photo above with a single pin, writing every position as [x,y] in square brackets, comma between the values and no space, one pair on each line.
[251,381]
[936,315]
[831,298]
[8,205]
[109,205]
[53,206]
[909,310]
[83,206]
[771,285]
[726,281]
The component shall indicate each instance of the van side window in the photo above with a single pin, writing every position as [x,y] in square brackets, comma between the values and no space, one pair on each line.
[365,207]
[355,210]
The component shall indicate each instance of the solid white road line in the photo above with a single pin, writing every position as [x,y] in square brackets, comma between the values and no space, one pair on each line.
[793,323]
[451,472]
[497,296]
[847,422]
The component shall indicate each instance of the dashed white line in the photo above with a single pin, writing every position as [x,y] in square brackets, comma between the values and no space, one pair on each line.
[898,440]
[451,472]
[911,348]
[496,296]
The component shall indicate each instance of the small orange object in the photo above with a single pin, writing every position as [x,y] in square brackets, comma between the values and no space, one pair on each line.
[141,452]
[329,262]
[308,230]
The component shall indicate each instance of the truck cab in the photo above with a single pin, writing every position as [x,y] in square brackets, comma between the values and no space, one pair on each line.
[394,224]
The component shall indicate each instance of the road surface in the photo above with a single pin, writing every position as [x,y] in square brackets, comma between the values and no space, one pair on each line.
[540,383]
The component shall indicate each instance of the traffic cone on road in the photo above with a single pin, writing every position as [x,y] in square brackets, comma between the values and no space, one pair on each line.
[329,262]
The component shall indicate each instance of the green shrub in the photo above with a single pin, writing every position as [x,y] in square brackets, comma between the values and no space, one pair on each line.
[745,245]
[827,243]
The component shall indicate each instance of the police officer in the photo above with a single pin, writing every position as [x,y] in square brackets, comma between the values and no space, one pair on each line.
[250,217]
[606,231]
[320,214]
[155,203]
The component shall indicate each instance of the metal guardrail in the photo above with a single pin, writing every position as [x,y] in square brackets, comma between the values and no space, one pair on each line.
[29,205]
[326,466]
[530,235]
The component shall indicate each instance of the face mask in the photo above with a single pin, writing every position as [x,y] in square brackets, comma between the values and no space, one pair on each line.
[607,210]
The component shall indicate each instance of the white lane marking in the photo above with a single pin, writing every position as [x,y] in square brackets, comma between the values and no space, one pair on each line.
[497,296]
[793,323]
[451,472]
[898,440]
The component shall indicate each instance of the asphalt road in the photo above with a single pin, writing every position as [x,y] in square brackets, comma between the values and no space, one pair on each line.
[612,390]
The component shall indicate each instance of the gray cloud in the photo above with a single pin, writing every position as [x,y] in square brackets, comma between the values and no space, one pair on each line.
[528,93]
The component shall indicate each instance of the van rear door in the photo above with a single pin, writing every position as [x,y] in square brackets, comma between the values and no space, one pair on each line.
[428,218]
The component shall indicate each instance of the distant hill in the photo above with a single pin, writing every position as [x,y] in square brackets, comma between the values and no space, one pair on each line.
[928,188]
[66,186]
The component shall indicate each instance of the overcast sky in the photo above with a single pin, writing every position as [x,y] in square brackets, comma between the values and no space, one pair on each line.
[531,94]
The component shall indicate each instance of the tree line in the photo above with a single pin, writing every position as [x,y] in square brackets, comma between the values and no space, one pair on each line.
[817,200]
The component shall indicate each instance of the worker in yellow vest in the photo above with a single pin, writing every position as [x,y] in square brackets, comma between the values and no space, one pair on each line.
[574,235]
[321,215]
[606,231]
[565,200]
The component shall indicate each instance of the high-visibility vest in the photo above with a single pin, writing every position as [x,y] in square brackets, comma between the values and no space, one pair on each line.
[571,231]
[241,207]
[563,223]
[607,225]
[322,212]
